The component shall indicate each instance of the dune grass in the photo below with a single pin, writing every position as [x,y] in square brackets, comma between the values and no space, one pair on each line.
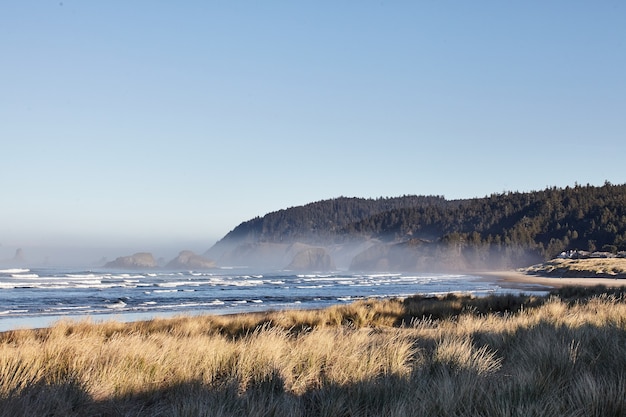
[564,354]
[580,268]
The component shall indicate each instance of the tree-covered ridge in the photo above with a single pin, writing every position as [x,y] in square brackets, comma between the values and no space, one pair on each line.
[323,220]
[549,221]
[545,222]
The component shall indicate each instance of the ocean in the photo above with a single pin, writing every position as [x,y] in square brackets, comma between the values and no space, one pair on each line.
[38,297]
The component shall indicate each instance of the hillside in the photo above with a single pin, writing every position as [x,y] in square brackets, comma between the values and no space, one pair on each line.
[414,233]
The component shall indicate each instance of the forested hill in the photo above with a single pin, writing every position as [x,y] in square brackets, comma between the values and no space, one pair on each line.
[552,220]
[540,223]
[324,220]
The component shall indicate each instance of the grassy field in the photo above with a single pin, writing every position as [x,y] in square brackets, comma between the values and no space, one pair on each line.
[561,355]
[581,268]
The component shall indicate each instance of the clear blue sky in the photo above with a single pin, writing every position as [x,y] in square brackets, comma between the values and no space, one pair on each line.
[157,122]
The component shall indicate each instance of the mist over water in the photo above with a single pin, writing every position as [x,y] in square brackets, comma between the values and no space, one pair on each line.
[89,255]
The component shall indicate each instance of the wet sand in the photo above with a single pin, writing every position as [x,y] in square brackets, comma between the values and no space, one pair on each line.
[521,280]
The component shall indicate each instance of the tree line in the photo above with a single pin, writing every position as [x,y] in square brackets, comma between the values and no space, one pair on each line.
[546,222]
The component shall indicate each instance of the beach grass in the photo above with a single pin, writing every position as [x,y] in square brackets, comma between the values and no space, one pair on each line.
[507,355]
[576,268]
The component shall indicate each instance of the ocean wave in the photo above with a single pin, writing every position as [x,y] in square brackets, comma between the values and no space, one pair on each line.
[64,292]
[14,271]
[83,276]
[172,284]
[326,278]
[192,304]
[382,275]
[244,283]
[8,312]
[313,276]
[310,287]
[68,308]
[127,276]
[117,305]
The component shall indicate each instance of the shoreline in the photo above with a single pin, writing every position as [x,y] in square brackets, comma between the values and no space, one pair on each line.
[507,279]
[520,280]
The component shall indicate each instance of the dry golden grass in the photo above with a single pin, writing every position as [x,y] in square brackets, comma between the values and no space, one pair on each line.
[453,356]
[601,267]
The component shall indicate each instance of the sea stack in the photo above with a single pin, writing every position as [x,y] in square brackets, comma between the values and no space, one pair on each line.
[137,261]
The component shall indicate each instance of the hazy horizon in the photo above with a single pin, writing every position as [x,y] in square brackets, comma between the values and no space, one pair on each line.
[94,254]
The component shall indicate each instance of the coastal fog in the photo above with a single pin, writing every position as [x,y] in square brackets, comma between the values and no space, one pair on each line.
[89,255]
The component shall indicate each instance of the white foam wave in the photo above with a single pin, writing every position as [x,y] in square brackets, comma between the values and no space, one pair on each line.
[246,283]
[83,276]
[382,275]
[68,308]
[308,287]
[24,276]
[327,278]
[88,282]
[6,312]
[198,304]
[98,286]
[119,304]
[14,271]
[127,276]
[172,284]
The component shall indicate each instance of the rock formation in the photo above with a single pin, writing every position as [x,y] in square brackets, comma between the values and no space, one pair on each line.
[312,259]
[189,260]
[295,256]
[137,261]
[19,256]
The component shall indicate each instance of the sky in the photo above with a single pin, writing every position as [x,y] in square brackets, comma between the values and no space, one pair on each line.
[149,124]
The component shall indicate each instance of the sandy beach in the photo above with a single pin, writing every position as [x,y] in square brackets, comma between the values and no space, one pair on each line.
[521,280]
